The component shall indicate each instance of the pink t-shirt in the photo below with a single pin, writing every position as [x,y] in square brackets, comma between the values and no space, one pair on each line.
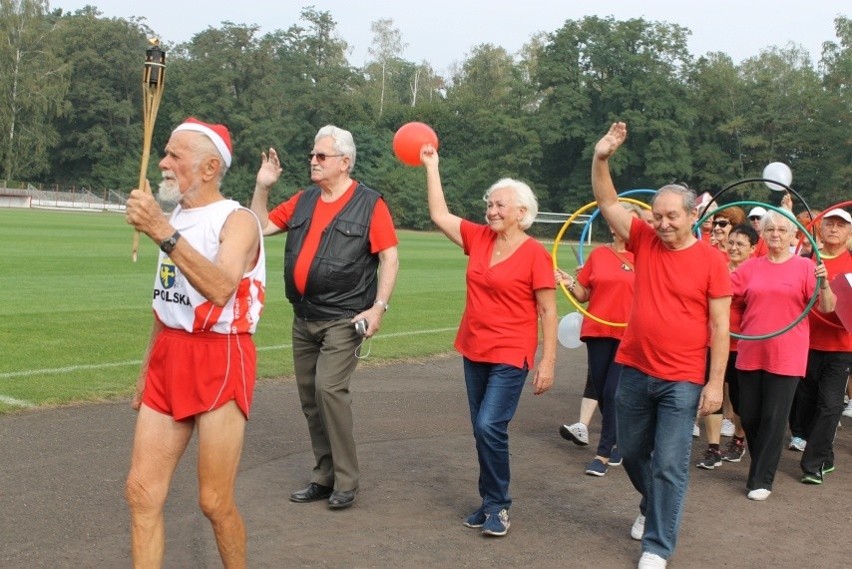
[500,320]
[773,295]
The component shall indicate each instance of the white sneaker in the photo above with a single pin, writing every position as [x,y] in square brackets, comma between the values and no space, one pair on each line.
[651,561]
[727,428]
[797,443]
[696,432]
[576,433]
[759,495]
[848,411]
[638,529]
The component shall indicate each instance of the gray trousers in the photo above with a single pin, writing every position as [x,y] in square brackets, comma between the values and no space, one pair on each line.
[324,359]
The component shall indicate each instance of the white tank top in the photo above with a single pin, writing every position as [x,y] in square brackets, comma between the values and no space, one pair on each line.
[178,305]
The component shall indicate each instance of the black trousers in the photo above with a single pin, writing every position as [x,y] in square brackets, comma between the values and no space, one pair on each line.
[819,403]
[765,401]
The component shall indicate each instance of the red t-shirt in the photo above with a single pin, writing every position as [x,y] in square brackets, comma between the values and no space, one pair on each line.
[773,295]
[382,232]
[669,325]
[760,250]
[500,320]
[831,337]
[609,280]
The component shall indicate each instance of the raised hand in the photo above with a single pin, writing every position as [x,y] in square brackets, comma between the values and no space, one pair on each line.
[429,155]
[607,145]
[270,168]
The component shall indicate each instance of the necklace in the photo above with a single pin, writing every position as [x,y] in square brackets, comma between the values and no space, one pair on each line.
[509,245]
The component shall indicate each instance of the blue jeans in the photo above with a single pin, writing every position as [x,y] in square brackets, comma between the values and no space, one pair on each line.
[493,392]
[654,420]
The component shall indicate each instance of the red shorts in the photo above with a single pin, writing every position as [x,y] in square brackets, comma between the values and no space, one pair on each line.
[190,374]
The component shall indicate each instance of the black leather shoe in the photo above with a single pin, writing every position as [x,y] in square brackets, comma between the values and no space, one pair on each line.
[340,500]
[312,493]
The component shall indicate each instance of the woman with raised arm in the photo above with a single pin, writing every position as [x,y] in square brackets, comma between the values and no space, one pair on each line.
[510,287]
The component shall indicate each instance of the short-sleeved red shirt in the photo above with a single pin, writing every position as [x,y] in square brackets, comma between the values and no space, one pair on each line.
[831,337]
[382,232]
[609,279]
[669,325]
[500,320]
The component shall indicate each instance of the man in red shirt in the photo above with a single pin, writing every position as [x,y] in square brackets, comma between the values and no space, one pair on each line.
[340,266]
[819,398]
[681,305]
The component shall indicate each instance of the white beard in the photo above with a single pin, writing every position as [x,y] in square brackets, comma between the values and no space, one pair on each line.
[169,190]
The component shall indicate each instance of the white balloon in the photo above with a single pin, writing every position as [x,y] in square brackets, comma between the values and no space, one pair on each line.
[779,172]
[568,332]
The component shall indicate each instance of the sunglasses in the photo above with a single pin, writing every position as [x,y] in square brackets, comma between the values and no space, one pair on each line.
[321,156]
[723,223]
[754,217]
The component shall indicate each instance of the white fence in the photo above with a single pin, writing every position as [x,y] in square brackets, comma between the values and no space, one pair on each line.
[74,199]
[561,218]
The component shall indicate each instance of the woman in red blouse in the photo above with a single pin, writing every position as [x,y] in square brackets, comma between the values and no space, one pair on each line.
[510,286]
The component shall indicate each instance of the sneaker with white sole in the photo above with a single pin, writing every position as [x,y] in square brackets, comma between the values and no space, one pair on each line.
[638,529]
[576,433]
[596,468]
[651,561]
[712,459]
[797,444]
[734,451]
[847,412]
[496,523]
[476,519]
[728,428]
[615,458]
[759,495]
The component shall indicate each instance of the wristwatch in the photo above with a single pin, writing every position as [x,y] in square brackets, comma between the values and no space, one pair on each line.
[168,245]
[382,303]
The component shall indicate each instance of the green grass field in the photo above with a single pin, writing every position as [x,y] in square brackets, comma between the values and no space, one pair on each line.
[78,311]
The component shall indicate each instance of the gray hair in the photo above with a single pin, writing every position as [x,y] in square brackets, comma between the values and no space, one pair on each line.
[343,141]
[690,201]
[204,148]
[632,208]
[524,197]
[777,219]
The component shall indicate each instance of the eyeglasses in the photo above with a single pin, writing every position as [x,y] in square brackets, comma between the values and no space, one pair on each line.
[737,245]
[723,223]
[780,230]
[321,156]
[754,217]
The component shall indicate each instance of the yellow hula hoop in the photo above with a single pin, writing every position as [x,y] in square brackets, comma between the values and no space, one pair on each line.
[553,256]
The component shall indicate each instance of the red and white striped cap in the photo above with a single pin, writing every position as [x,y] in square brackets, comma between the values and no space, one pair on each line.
[217,133]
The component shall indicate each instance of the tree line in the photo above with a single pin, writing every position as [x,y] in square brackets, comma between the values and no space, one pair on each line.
[70,107]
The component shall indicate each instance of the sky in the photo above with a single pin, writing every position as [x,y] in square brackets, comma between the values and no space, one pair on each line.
[443,32]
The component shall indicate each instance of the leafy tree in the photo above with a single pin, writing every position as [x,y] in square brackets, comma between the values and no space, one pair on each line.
[102,128]
[33,82]
[387,46]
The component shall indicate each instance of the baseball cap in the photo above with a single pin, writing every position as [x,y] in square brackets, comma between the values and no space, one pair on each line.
[217,133]
[756,211]
[837,212]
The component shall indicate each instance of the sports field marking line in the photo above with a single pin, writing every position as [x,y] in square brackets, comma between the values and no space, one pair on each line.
[15,402]
[49,371]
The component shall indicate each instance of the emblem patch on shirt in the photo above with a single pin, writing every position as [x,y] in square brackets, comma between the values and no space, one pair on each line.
[167,273]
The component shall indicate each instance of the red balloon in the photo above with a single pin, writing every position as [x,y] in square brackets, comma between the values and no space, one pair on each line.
[410,138]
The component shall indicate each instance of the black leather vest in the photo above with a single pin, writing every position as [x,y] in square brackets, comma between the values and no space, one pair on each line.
[342,280]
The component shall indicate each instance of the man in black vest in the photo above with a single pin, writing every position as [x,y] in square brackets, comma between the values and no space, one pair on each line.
[340,266]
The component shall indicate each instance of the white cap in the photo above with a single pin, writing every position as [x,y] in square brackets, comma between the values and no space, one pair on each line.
[757,211]
[837,212]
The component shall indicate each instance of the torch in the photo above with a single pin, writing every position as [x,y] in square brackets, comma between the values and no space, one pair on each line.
[153,82]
